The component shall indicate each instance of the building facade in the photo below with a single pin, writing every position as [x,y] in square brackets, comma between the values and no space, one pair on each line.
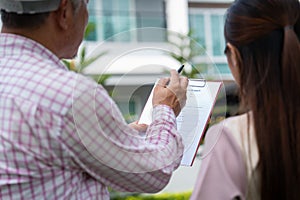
[136,35]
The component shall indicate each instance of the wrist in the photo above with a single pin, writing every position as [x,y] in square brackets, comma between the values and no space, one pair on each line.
[162,111]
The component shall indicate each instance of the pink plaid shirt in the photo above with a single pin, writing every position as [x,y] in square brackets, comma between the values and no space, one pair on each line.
[62,137]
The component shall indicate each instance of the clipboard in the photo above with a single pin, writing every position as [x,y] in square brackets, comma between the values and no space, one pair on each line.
[193,118]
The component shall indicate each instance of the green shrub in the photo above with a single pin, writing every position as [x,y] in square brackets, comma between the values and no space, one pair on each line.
[163,196]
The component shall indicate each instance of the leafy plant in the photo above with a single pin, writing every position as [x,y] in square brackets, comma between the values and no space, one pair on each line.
[163,196]
[185,49]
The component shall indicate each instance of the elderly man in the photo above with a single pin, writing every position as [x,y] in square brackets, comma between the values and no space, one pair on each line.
[61,135]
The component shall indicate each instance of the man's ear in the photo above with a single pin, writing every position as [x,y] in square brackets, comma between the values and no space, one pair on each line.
[63,14]
[233,58]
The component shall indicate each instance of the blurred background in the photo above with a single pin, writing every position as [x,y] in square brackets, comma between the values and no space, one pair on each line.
[133,42]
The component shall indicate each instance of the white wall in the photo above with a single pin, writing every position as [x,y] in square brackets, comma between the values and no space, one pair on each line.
[177,16]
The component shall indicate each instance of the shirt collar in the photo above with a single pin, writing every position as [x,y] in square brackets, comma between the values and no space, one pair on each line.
[17,44]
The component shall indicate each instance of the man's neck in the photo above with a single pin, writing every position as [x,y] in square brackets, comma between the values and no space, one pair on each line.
[48,40]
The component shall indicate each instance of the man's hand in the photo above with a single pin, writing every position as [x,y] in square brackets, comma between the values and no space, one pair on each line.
[171,92]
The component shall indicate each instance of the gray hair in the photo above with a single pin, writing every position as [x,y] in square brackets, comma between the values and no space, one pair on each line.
[76,4]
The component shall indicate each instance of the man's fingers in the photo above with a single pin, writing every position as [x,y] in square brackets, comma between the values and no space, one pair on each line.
[174,77]
[163,82]
[184,81]
[171,91]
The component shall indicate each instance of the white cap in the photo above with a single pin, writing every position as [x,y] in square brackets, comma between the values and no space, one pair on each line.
[29,6]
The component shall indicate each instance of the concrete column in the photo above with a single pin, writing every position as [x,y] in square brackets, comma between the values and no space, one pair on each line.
[177,16]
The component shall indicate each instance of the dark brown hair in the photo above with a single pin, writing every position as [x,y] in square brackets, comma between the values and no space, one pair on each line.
[29,21]
[266,34]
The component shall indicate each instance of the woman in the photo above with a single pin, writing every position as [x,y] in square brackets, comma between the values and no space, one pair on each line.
[258,154]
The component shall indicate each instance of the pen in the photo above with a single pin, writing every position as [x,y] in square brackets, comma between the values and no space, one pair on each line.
[180,69]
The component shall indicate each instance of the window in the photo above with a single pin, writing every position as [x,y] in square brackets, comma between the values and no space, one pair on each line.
[111,17]
[91,33]
[207,26]
[116,17]
[223,68]
[197,26]
[217,30]
[150,13]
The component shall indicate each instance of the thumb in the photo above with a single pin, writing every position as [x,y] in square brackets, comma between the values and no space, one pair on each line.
[139,127]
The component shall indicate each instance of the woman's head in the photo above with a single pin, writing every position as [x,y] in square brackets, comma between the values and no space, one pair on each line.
[263,50]
[263,53]
[263,42]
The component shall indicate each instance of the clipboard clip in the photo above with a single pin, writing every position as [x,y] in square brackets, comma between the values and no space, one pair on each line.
[201,81]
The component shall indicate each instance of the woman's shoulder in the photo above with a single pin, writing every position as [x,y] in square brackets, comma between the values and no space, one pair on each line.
[224,136]
[237,126]
[229,129]
[241,129]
